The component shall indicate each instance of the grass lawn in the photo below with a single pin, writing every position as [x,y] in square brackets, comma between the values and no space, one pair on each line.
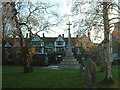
[13,77]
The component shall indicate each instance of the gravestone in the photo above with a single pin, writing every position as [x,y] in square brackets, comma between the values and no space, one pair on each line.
[69,62]
[90,72]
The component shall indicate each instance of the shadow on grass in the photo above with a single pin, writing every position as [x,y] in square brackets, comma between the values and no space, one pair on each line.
[112,83]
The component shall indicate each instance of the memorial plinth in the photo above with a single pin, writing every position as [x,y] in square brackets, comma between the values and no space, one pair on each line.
[69,61]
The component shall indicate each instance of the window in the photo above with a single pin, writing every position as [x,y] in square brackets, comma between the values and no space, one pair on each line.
[37,43]
[60,43]
[60,49]
[49,49]
[38,50]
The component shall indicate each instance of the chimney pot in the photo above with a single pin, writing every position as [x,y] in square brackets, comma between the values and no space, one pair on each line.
[63,35]
[89,35]
[30,34]
[43,35]
[26,35]
[77,36]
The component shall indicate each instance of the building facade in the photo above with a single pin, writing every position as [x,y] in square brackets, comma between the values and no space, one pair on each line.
[48,50]
[116,41]
[52,50]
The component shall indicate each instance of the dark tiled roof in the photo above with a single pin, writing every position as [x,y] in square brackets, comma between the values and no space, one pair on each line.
[48,40]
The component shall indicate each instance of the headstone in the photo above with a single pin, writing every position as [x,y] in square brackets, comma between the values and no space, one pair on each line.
[90,72]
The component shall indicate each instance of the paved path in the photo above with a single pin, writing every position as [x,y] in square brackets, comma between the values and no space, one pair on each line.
[52,67]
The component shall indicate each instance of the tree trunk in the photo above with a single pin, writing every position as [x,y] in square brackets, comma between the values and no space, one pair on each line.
[102,61]
[24,48]
[3,42]
[27,67]
[103,68]
[26,59]
[108,77]
[3,51]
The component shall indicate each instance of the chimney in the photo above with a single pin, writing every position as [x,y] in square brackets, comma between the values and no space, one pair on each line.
[89,36]
[26,35]
[14,34]
[30,34]
[76,36]
[63,35]
[43,35]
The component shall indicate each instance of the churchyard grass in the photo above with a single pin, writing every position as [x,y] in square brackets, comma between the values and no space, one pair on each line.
[13,77]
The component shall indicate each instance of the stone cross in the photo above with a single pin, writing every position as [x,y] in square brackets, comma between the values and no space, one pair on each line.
[69,25]
[69,52]
[69,62]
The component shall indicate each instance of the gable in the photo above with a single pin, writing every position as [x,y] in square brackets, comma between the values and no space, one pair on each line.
[36,38]
[84,39]
[59,39]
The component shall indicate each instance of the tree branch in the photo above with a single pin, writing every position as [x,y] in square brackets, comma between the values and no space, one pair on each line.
[114,18]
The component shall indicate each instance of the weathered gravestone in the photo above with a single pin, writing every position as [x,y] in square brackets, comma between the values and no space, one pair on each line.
[90,72]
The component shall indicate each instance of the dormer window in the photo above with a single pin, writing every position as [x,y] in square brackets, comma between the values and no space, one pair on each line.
[59,42]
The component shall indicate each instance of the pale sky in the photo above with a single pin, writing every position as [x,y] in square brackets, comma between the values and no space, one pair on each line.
[65,8]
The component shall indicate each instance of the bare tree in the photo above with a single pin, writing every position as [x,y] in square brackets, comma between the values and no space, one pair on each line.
[27,22]
[107,44]
[100,16]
